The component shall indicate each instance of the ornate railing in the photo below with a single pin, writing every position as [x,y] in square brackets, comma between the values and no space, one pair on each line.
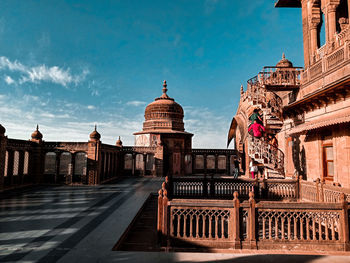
[329,56]
[223,188]
[277,76]
[231,224]
[320,192]
[265,153]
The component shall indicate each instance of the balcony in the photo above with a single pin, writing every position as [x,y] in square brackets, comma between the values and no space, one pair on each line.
[329,57]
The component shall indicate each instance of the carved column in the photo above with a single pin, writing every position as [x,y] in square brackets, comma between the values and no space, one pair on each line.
[304,13]
[332,23]
[313,41]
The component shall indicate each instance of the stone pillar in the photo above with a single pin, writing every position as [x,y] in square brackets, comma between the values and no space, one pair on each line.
[304,14]
[158,160]
[332,23]
[313,41]
[94,162]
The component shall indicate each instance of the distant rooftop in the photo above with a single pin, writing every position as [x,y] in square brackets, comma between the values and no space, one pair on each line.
[288,3]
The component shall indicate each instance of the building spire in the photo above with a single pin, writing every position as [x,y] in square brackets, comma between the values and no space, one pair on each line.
[37,127]
[164,87]
[95,127]
[283,55]
[164,95]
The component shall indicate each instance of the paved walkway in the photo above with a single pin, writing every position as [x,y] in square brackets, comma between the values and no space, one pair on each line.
[82,224]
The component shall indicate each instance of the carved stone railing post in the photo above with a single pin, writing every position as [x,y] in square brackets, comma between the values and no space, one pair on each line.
[251,217]
[165,221]
[317,183]
[321,191]
[205,186]
[235,223]
[345,221]
[160,215]
[212,186]
[298,187]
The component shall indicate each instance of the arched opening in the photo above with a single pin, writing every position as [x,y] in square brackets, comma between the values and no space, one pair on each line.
[342,16]
[65,169]
[50,167]
[199,162]
[149,163]
[210,162]
[139,163]
[80,167]
[321,32]
[128,161]
[188,164]
[222,162]
[15,163]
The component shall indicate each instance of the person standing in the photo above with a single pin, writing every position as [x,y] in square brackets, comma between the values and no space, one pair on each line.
[257,128]
[253,168]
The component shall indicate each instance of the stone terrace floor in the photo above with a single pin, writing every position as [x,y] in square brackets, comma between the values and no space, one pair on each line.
[83,223]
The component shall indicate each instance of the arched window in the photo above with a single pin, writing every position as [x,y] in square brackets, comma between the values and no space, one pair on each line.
[80,163]
[188,163]
[139,161]
[50,163]
[149,161]
[222,162]
[210,162]
[6,163]
[128,161]
[65,162]
[15,163]
[26,163]
[199,162]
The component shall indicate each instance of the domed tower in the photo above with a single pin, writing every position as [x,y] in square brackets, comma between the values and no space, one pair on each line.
[164,128]
[284,63]
[37,135]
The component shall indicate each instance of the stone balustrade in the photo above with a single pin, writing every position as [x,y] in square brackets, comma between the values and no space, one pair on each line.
[210,187]
[209,224]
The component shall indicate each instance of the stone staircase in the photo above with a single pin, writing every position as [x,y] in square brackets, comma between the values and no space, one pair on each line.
[270,104]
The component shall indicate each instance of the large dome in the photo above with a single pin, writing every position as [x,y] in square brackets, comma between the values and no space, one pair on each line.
[164,114]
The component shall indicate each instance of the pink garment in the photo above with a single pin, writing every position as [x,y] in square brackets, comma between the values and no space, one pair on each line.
[257,129]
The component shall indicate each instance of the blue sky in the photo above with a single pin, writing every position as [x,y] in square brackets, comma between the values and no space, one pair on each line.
[67,65]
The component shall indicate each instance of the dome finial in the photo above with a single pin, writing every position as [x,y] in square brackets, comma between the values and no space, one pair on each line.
[283,55]
[164,87]
[37,135]
[95,136]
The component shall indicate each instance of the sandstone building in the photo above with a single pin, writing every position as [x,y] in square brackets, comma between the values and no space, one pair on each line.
[162,148]
[309,109]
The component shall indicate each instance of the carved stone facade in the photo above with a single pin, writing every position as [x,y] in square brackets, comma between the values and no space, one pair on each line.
[312,107]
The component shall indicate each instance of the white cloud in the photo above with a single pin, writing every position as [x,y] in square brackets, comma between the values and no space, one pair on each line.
[9,80]
[209,129]
[136,103]
[41,73]
[91,107]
